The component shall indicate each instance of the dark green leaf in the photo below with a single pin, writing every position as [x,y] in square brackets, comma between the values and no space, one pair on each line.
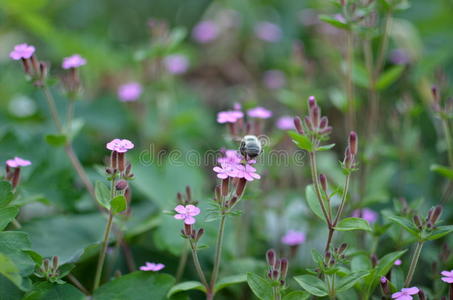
[7,214]
[9,270]
[102,194]
[259,286]
[56,140]
[301,141]
[230,280]
[47,290]
[186,286]
[6,195]
[351,223]
[389,77]
[442,170]
[312,284]
[313,201]
[439,232]
[297,295]
[334,22]
[349,280]
[118,204]
[406,224]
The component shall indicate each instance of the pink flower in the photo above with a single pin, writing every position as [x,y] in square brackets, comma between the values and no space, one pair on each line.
[230,116]
[226,170]
[268,32]
[248,172]
[231,157]
[17,162]
[73,61]
[274,79]
[398,262]
[285,123]
[176,63]
[259,112]
[205,32]
[366,214]
[149,266]
[237,106]
[22,51]
[120,146]
[405,293]
[448,276]
[384,279]
[187,213]
[129,91]
[293,238]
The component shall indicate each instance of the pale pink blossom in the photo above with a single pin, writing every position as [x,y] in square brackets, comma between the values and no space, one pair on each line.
[447,276]
[149,266]
[247,172]
[22,51]
[366,214]
[129,91]
[205,31]
[231,157]
[227,170]
[73,61]
[398,262]
[176,63]
[229,116]
[405,293]
[268,32]
[17,162]
[120,145]
[259,113]
[384,279]
[187,213]
[285,123]
[293,238]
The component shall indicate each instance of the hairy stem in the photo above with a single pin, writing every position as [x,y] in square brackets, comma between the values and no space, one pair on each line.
[314,175]
[343,200]
[198,268]
[414,261]
[108,228]
[53,108]
[218,252]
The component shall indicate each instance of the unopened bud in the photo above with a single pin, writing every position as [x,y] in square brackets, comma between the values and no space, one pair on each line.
[323,181]
[121,162]
[435,93]
[270,257]
[16,177]
[225,186]
[308,123]
[327,256]
[199,233]
[240,187]
[323,123]
[436,214]
[275,274]
[121,185]
[217,194]
[298,125]
[179,197]
[417,221]
[374,260]
[46,264]
[421,295]
[128,169]
[342,248]
[55,262]
[26,65]
[353,143]
[385,285]
[188,193]
[283,268]
[233,201]
[326,130]
[187,229]
[311,102]
[315,116]
[42,70]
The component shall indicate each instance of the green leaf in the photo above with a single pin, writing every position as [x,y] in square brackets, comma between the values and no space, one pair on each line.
[313,202]
[312,284]
[325,147]
[9,269]
[47,290]
[118,204]
[259,286]
[389,77]
[348,224]
[439,232]
[102,193]
[406,224]
[442,170]
[56,140]
[347,282]
[9,291]
[230,280]
[186,286]
[6,194]
[297,295]
[301,141]
[7,214]
[334,22]
[137,285]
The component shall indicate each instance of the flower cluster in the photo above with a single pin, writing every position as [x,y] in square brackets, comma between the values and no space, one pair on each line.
[73,62]
[277,268]
[314,125]
[13,170]
[405,293]
[118,165]
[231,167]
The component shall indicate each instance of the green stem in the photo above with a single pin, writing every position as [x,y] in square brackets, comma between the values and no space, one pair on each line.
[69,116]
[182,263]
[218,254]
[314,176]
[414,261]
[198,266]
[343,200]
[77,283]
[101,260]
[449,141]
[53,108]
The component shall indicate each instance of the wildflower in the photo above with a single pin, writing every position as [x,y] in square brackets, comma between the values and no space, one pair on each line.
[398,262]
[405,293]
[149,266]
[237,106]
[73,61]
[129,91]
[448,276]
[230,116]
[293,238]
[366,214]
[247,172]
[205,32]
[22,51]
[226,170]
[259,113]
[176,63]
[268,32]
[17,162]
[120,145]
[274,79]
[384,279]
[187,213]
[231,157]
[285,123]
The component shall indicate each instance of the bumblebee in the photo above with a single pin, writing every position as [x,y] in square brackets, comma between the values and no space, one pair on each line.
[250,147]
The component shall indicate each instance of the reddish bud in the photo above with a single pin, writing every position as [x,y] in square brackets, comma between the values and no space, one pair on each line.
[275,274]
[217,193]
[323,181]
[436,214]
[225,186]
[374,260]
[188,193]
[315,116]
[15,178]
[421,295]
[308,123]
[353,143]
[283,267]
[199,233]
[179,197]
[187,229]
[342,248]
[311,102]
[121,185]
[417,221]
[323,123]
[114,160]
[298,125]
[121,162]
[240,187]
[270,257]
[326,130]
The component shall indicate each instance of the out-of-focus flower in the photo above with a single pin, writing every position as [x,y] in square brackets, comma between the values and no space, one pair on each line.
[120,145]
[231,157]
[22,51]
[230,116]
[366,214]
[176,63]
[384,279]
[187,213]
[268,32]
[293,238]
[247,172]
[205,31]
[447,276]
[405,293]
[149,266]
[130,91]
[259,113]
[398,262]
[399,57]
[73,61]
[226,170]
[237,106]
[274,79]
[17,162]
[285,123]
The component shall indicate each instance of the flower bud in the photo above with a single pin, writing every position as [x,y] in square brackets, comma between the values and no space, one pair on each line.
[121,185]
[326,130]
[187,229]
[374,260]
[16,177]
[421,295]
[298,125]
[189,194]
[128,169]
[121,162]
[233,201]
[46,264]
[199,234]
[26,65]
[240,187]
[385,285]
[323,123]
[225,186]
[275,274]
[270,257]
[114,160]
[417,221]
[277,264]
[327,256]
[179,198]
[55,262]
[342,248]
[283,268]
[353,143]
[323,181]
[436,214]
[311,102]
[314,116]
[308,123]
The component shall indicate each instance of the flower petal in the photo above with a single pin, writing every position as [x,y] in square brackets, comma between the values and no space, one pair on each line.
[180,209]
[190,220]
[180,216]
